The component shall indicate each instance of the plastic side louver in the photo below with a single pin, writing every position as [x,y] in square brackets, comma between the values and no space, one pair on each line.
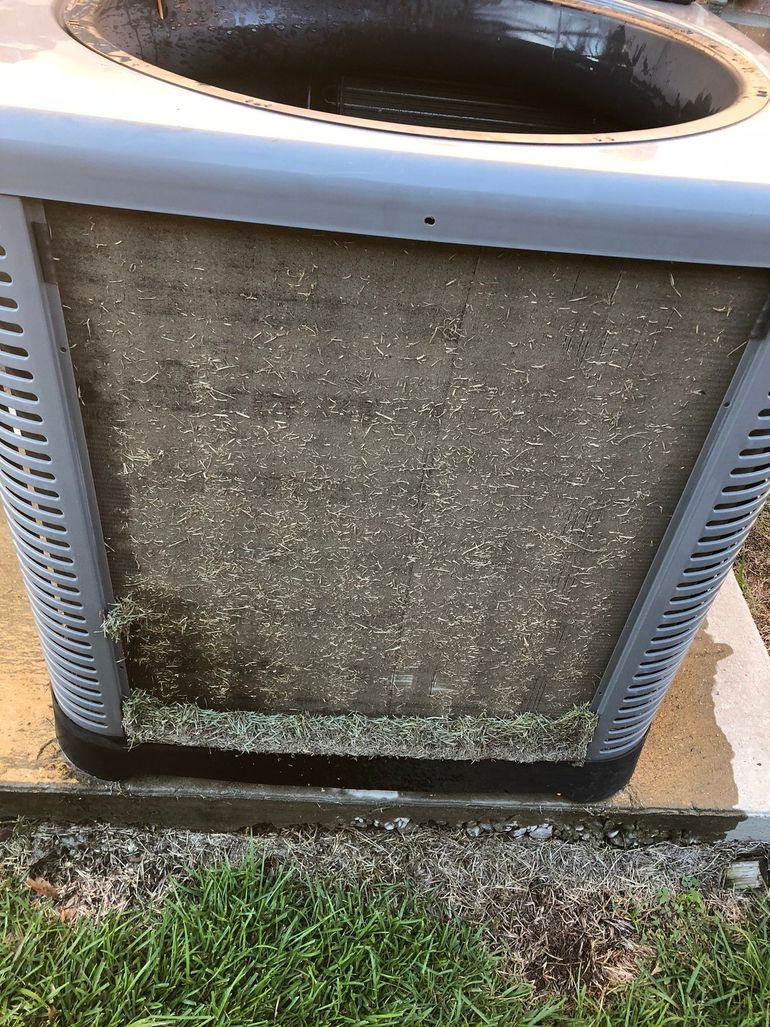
[724,496]
[707,567]
[44,485]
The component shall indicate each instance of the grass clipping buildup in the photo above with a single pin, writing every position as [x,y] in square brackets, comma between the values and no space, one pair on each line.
[525,738]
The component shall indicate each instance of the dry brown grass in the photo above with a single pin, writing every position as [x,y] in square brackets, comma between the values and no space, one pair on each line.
[753,574]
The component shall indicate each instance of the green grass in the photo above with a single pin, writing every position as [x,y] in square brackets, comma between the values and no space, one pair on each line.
[245,946]
[241,947]
[704,971]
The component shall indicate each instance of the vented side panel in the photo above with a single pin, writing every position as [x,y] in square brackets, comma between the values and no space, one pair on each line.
[723,498]
[46,487]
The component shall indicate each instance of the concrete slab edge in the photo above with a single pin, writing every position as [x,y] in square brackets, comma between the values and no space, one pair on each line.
[214,806]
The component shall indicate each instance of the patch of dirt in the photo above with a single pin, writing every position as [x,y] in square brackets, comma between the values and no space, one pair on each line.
[753,573]
[578,936]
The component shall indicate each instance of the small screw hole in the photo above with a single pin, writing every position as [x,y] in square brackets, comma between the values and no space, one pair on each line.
[430,221]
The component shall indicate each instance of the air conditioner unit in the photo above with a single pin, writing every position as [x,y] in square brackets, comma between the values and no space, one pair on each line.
[384,389]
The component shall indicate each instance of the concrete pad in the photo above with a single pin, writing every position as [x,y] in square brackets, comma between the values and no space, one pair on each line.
[704,772]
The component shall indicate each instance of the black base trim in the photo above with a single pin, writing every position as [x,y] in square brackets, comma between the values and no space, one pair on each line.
[111,759]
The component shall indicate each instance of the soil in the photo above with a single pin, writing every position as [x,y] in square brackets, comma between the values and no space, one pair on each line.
[753,574]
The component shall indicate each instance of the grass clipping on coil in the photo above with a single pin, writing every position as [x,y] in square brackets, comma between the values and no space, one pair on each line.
[525,738]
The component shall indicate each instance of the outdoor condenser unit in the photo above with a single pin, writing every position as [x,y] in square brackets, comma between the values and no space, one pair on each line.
[384,387]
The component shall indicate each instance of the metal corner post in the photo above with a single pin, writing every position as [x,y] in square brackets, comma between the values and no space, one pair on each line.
[45,479]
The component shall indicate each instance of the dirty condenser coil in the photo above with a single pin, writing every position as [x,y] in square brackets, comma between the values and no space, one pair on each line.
[305,503]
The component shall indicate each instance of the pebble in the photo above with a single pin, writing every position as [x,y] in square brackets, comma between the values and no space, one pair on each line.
[608,832]
[541,833]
